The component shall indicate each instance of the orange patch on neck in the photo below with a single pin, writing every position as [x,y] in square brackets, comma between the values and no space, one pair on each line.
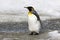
[29,13]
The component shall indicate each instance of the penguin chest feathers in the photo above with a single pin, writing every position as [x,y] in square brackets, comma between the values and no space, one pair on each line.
[32,17]
[33,23]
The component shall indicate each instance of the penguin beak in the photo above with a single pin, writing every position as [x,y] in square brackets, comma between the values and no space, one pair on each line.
[25,7]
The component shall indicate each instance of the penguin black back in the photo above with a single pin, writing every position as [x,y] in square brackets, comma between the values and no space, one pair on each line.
[36,14]
[38,18]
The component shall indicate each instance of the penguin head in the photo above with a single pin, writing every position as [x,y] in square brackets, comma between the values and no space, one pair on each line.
[30,8]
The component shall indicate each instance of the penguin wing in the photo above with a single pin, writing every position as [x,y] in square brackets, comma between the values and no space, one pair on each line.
[36,14]
[38,18]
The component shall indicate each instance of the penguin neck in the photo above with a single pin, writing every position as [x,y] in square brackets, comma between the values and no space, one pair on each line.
[30,13]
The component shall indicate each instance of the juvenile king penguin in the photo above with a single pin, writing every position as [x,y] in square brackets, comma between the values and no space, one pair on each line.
[34,22]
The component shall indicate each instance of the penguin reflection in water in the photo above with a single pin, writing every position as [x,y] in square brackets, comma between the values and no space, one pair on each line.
[34,22]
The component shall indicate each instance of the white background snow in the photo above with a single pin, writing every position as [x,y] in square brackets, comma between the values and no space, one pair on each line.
[46,8]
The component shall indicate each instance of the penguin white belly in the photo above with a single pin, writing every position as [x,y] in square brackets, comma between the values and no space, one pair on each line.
[34,24]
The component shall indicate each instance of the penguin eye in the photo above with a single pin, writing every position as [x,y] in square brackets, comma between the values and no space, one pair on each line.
[32,9]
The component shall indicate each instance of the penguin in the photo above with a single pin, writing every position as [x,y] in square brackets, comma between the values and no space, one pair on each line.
[34,22]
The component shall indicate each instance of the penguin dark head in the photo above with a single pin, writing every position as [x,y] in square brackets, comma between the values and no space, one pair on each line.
[30,8]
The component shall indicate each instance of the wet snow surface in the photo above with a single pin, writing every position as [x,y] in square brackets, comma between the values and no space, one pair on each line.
[19,31]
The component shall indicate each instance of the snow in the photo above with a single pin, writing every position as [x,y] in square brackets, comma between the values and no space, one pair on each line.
[48,8]
[54,34]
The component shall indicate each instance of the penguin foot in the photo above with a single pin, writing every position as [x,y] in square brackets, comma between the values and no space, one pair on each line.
[31,33]
[34,33]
